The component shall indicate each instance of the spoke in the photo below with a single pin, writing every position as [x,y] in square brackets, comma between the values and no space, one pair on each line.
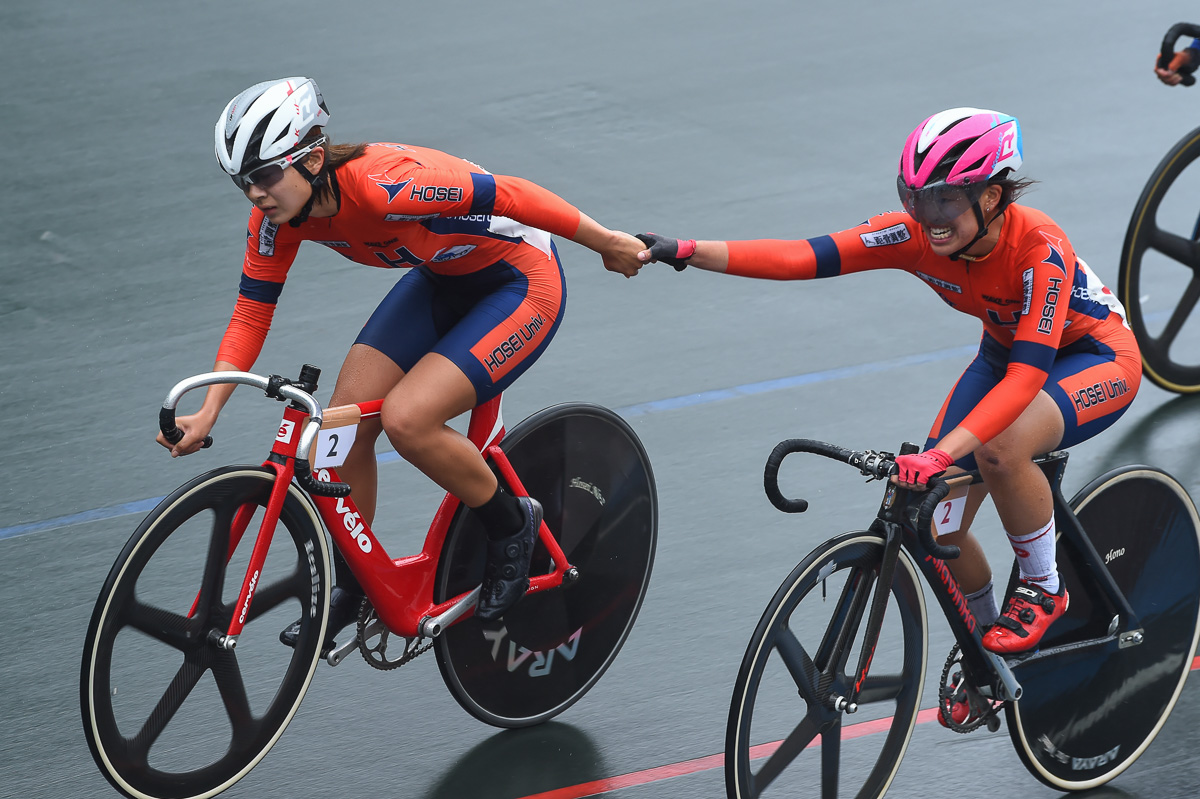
[802,669]
[831,756]
[1181,313]
[881,688]
[171,629]
[796,742]
[232,687]
[172,699]
[1175,246]
[215,561]
[271,596]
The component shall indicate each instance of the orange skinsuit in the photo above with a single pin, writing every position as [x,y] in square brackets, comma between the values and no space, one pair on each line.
[404,206]
[1034,297]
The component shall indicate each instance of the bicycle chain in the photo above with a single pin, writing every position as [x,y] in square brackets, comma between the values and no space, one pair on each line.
[946,693]
[376,657]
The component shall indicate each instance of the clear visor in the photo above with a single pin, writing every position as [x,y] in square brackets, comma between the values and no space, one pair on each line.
[941,203]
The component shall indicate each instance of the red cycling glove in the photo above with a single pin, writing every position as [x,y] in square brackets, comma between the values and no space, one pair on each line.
[918,469]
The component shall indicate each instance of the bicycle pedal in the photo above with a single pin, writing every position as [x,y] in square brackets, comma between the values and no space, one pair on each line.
[339,652]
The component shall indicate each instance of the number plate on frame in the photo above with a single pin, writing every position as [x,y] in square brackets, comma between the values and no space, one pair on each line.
[332,446]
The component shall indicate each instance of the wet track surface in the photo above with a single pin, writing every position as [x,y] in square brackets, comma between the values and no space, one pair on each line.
[120,257]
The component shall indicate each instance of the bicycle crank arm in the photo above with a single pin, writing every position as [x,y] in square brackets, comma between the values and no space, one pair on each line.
[432,627]
[339,652]
[1010,689]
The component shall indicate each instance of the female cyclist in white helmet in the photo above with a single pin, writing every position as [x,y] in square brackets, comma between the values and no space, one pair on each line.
[481,271]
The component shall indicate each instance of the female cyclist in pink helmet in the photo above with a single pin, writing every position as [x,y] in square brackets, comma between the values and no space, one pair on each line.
[1057,363]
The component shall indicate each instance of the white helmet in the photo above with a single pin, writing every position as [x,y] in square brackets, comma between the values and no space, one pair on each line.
[266,125]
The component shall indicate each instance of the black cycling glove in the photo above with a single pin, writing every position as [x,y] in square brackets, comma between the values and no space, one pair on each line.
[670,251]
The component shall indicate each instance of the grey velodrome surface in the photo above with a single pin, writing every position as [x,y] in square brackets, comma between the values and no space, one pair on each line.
[120,254]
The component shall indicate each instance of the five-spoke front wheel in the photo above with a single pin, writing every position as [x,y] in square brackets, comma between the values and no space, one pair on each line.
[788,734]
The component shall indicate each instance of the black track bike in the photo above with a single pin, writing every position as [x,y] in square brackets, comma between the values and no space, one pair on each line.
[829,689]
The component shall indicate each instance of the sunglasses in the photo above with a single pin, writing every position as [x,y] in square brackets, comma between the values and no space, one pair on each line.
[271,173]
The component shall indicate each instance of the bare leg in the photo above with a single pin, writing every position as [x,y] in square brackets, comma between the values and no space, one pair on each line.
[367,374]
[1025,504]
[414,417]
[1019,488]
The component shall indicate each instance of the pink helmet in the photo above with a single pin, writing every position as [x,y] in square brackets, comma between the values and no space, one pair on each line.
[948,160]
[975,144]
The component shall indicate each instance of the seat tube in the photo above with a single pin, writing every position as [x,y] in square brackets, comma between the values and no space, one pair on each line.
[1069,527]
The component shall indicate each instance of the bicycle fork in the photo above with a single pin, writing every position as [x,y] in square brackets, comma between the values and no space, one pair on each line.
[999,682]
[284,467]
[237,530]
[892,536]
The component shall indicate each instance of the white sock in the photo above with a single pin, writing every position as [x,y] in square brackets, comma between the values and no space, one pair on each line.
[1035,557]
[982,605]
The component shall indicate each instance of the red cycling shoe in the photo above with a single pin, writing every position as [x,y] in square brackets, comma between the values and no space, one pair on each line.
[958,705]
[963,709]
[1028,613]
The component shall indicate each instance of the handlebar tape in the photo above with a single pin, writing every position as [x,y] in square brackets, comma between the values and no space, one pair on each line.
[314,486]
[166,423]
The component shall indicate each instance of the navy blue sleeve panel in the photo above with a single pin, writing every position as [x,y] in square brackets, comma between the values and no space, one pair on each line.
[1032,353]
[260,290]
[483,198]
[829,260]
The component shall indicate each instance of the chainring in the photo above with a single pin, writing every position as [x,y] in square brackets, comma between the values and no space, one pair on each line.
[374,638]
[955,687]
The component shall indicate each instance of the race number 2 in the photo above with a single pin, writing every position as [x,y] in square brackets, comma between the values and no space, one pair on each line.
[332,446]
[947,518]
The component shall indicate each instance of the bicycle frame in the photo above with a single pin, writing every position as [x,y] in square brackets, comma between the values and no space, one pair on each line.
[400,590]
[991,674]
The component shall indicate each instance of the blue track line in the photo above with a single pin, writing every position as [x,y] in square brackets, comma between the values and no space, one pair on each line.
[143,506]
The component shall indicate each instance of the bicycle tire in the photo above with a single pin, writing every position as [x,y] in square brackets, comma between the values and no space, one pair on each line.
[817,674]
[1088,713]
[1144,234]
[186,748]
[587,467]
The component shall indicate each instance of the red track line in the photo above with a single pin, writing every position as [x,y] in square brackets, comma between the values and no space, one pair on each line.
[718,761]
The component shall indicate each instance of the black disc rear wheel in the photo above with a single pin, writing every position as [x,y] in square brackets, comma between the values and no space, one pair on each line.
[589,470]
[1088,713]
